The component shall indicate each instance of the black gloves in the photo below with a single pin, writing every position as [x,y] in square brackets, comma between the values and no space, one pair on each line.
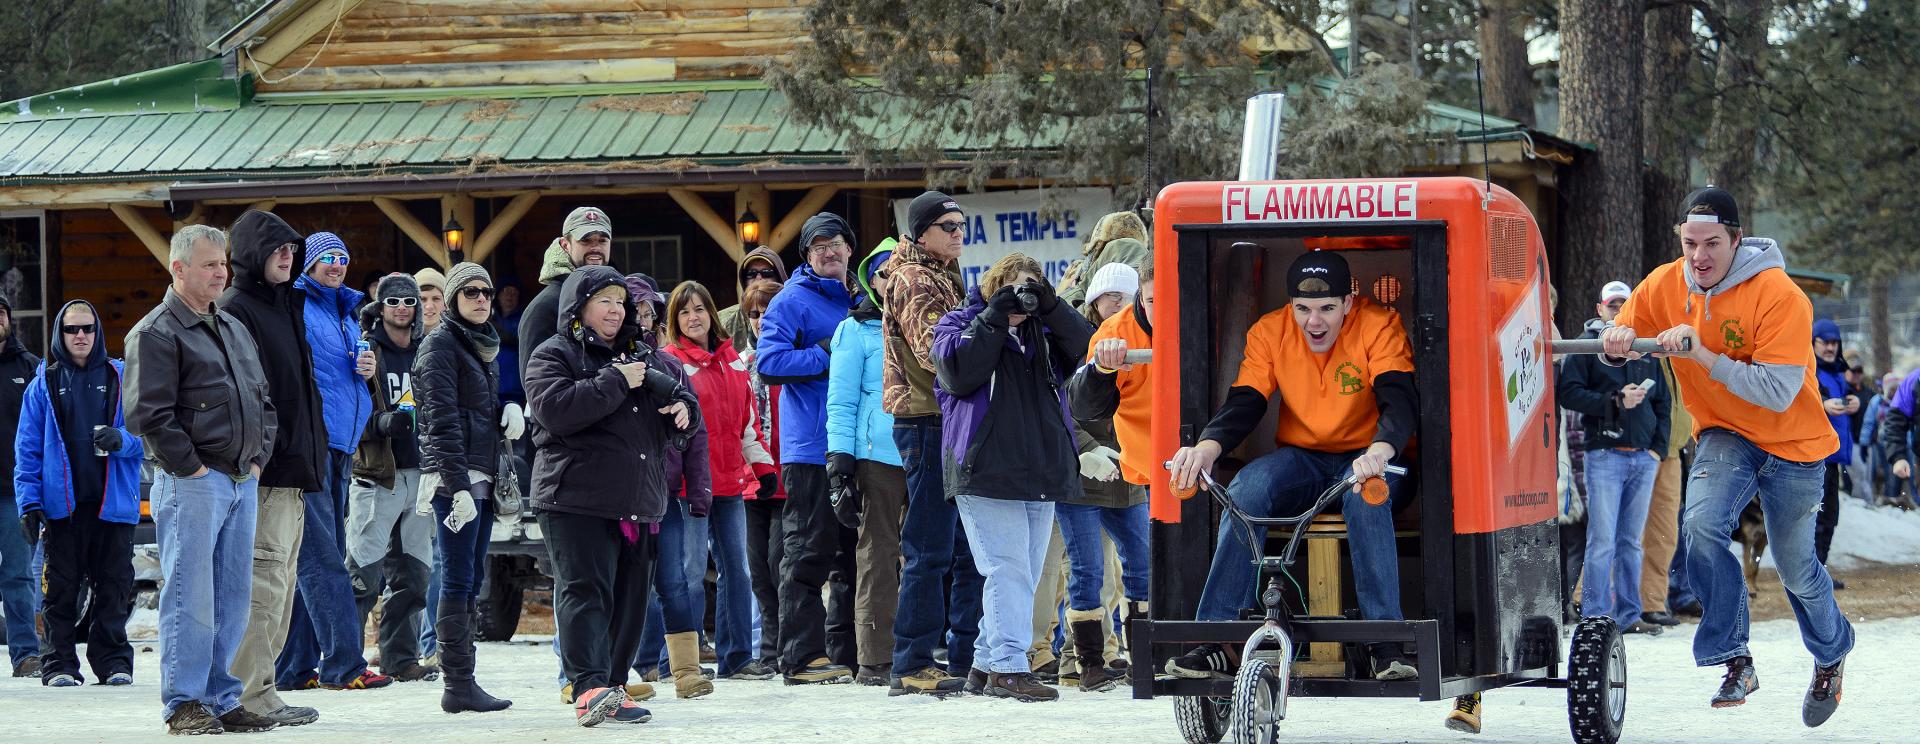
[107,439]
[396,424]
[30,525]
[769,485]
[1002,303]
[1048,299]
[842,492]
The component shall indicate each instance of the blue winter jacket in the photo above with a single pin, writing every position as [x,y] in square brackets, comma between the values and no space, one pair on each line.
[856,424]
[333,332]
[42,477]
[1833,384]
[798,324]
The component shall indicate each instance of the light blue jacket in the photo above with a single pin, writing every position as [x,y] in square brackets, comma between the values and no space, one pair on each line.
[856,424]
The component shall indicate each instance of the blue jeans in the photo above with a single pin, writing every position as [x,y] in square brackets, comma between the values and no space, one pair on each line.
[460,558]
[205,530]
[1284,483]
[733,607]
[674,612]
[1727,473]
[430,638]
[1009,540]
[1080,528]
[940,587]
[17,588]
[324,630]
[1619,491]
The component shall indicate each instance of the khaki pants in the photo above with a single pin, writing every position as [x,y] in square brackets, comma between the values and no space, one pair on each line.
[276,548]
[883,490]
[1661,537]
[1053,593]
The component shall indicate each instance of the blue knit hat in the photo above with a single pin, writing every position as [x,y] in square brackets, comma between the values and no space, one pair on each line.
[317,245]
[1825,329]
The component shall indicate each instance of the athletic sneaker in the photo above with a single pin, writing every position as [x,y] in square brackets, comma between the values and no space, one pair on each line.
[119,679]
[1823,696]
[753,670]
[1207,661]
[61,680]
[630,712]
[191,719]
[367,680]
[1465,717]
[293,715]
[311,682]
[1741,681]
[596,704]
[241,721]
[1390,664]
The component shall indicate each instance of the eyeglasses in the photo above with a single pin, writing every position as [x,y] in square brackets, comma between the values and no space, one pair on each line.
[752,274]
[77,330]
[336,259]
[835,245]
[400,302]
[952,228]
[477,293]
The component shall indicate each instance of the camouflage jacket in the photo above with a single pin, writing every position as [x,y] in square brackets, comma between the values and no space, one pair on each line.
[920,289]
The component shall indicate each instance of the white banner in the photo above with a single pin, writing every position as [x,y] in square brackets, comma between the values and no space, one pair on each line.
[1003,222]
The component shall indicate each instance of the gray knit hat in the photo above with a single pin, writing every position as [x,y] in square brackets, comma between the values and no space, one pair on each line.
[465,273]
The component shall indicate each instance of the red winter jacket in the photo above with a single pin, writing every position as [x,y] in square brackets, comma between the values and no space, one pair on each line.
[766,407]
[736,452]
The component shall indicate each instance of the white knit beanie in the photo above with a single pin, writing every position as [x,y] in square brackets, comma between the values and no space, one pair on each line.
[1114,277]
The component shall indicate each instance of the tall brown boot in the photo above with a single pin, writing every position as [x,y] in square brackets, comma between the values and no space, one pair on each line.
[1090,645]
[683,657]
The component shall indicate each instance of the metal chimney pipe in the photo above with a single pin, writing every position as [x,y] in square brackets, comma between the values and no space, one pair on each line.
[1260,142]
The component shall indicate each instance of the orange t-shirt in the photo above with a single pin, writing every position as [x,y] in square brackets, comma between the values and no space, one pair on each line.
[1326,400]
[1131,420]
[1766,320]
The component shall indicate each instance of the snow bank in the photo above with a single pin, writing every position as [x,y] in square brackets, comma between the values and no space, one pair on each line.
[1868,535]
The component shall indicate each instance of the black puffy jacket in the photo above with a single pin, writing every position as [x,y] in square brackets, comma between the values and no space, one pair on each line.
[457,400]
[17,367]
[600,444]
[276,316]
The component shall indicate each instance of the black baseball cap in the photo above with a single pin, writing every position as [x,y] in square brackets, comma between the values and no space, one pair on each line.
[1319,275]
[1711,204]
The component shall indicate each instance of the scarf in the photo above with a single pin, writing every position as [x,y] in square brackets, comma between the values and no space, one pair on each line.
[485,338]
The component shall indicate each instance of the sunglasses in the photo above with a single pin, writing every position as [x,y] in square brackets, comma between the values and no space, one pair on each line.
[752,274]
[335,259]
[477,293]
[77,330]
[400,302]
[952,228]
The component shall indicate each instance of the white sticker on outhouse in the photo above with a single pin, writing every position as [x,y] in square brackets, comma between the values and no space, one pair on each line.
[1523,362]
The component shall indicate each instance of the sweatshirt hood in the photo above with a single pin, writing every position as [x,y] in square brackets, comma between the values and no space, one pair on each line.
[254,238]
[95,358]
[868,266]
[555,264]
[1755,255]
[765,254]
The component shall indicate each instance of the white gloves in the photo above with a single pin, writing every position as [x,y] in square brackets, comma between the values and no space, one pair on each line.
[512,421]
[423,498]
[1101,464]
[463,511]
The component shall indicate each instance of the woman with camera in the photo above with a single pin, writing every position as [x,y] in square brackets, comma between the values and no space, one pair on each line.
[603,405]
[1002,363]
[457,381]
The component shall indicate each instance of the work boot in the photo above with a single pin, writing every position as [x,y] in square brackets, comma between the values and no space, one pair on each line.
[754,670]
[1741,681]
[1019,686]
[1465,717]
[1662,618]
[821,672]
[976,682]
[1205,661]
[459,692]
[413,671]
[293,715]
[874,675]
[929,681]
[1644,628]
[28,667]
[191,719]
[1089,631]
[242,721]
[1823,696]
[683,655]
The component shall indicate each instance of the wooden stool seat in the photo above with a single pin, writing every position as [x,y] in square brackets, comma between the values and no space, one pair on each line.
[1325,588]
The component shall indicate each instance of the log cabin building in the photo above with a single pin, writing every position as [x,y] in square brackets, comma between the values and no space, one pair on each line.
[386,120]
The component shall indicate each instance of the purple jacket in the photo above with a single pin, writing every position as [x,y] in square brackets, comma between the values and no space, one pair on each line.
[693,486]
[1007,433]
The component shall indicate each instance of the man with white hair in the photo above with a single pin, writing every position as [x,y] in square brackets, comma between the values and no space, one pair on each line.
[190,392]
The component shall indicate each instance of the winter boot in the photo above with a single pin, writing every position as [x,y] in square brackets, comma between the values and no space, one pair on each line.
[1465,717]
[1019,686]
[821,672]
[1090,644]
[683,655]
[459,692]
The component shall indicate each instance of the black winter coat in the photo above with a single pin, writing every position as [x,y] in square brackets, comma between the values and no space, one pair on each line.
[456,396]
[1592,388]
[17,366]
[276,317]
[600,445]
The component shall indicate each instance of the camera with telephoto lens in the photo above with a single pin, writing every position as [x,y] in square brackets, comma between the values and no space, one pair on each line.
[1029,297]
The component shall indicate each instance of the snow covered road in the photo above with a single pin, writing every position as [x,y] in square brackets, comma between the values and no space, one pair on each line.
[1666,703]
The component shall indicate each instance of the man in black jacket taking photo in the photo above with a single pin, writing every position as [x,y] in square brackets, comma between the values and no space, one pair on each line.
[1626,420]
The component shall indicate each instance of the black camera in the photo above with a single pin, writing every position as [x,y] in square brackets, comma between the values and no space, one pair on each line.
[1029,297]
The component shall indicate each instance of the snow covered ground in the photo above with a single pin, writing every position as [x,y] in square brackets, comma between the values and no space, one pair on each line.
[1666,703]
[1868,535]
